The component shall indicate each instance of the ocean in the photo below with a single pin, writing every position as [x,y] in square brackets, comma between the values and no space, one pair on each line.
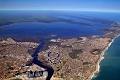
[36,25]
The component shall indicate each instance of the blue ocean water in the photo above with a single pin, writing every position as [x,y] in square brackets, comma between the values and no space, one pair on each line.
[64,24]
[39,30]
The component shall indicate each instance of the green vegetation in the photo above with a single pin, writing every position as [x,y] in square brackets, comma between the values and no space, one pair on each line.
[86,63]
[75,53]
[96,51]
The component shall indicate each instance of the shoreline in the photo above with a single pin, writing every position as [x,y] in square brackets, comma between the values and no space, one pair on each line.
[93,75]
[96,70]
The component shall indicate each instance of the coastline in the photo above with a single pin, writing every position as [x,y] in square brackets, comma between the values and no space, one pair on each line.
[93,75]
[11,41]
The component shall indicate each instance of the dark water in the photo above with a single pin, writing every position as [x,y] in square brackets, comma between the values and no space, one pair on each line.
[63,24]
[35,30]
[49,69]
[110,66]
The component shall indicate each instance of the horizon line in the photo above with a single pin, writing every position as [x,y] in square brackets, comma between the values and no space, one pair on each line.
[61,10]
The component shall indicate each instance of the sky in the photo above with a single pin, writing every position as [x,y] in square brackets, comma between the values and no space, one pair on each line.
[82,5]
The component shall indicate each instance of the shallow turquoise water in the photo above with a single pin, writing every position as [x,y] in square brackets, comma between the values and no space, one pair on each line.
[110,66]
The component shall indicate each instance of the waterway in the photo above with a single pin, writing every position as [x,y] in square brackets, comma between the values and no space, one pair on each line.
[48,68]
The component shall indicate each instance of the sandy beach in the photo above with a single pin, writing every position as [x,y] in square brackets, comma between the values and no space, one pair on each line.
[101,58]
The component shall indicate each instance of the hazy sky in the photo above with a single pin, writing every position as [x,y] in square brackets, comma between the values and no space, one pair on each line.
[84,5]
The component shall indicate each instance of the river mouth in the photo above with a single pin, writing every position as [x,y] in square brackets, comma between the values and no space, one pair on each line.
[35,60]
